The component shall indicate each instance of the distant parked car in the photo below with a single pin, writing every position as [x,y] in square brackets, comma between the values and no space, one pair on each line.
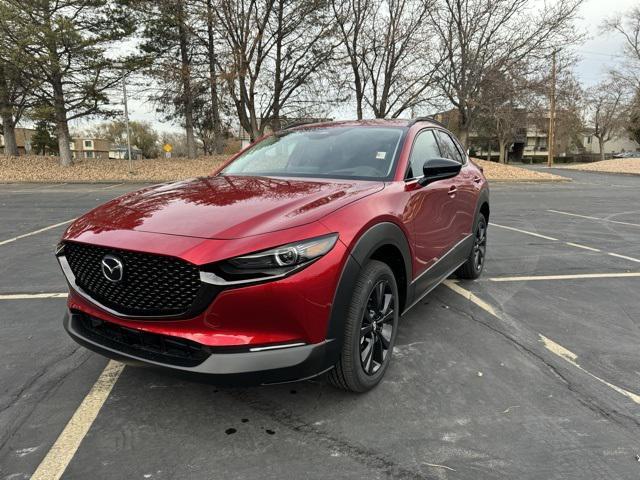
[627,155]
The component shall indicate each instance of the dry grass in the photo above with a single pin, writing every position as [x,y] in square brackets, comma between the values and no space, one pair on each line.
[499,172]
[47,169]
[617,165]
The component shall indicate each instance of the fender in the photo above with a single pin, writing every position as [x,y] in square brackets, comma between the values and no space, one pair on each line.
[483,197]
[385,233]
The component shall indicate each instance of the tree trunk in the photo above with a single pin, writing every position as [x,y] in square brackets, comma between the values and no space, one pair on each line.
[213,79]
[601,142]
[503,151]
[187,94]
[6,114]
[62,125]
[277,87]
[359,96]
[463,127]
[9,134]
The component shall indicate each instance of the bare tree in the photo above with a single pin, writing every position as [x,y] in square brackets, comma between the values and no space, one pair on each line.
[384,42]
[570,108]
[505,101]
[214,66]
[277,50]
[606,102]
[479,36]
[628,25]
[352,18]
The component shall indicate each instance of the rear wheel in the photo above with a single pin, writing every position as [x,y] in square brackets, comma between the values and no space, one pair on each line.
[474,265]
[370,330]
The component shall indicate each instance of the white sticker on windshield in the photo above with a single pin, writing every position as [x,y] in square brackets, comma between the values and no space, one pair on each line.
[381,155]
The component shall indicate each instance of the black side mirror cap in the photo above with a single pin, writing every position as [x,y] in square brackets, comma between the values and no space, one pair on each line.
[436,169]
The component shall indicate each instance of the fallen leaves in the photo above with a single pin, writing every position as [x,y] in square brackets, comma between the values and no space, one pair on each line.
[48,169]
[499,172]
[617,165]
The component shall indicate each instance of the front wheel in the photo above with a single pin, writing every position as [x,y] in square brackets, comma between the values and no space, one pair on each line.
[370,330]
[474,265]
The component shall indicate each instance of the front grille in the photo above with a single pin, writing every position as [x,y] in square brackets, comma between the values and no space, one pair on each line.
[152,285]
[150,346]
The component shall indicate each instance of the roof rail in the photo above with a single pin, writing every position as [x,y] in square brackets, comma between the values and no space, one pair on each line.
[425,119]
[300,124]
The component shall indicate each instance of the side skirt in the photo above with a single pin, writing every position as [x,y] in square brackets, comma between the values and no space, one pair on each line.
[439,271]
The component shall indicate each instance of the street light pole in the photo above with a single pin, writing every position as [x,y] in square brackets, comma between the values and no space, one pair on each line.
[126,122]
[552,114]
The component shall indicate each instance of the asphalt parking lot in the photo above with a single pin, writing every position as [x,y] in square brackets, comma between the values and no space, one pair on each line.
[531,372]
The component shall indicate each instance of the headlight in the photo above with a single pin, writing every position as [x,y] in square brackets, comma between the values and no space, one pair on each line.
[268,264]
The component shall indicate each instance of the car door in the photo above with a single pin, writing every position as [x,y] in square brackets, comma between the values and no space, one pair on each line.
[463,191]
[429,208]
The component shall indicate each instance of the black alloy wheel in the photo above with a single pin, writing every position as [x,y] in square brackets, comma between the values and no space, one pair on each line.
[474,265]
[376,330]
[480,244]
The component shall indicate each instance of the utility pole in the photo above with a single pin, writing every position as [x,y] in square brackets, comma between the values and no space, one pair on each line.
[126,122]
[552,114]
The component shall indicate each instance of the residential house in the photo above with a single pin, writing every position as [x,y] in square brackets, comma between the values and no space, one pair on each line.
[618,144]
[121,152]
[23,140]
[529,143]
[90,148]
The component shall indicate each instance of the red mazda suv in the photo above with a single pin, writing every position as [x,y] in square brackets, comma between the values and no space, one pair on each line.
[295,258]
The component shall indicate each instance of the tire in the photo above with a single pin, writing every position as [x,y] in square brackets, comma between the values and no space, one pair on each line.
[370,330]
[474,265]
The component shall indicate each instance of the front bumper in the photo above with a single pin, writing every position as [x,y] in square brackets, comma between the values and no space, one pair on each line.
[234,367]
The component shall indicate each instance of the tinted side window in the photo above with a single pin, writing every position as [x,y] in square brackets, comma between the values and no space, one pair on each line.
[424,148]
[449,149]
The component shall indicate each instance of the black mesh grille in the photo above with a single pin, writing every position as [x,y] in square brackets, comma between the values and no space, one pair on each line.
[152,346]
[152,285]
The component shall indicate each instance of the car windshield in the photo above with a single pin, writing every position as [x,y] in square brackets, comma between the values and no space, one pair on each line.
[365,153]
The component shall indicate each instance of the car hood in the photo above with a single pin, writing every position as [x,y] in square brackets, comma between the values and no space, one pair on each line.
[225,207]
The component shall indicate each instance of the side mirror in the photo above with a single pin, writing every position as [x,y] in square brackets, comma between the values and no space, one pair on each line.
[436,169]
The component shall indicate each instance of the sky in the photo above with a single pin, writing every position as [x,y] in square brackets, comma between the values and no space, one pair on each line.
[604,49]
[598,54]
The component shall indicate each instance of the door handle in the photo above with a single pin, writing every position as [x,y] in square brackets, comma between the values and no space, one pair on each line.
[453,190]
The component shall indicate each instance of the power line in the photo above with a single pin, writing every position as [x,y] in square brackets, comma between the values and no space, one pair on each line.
[612,55]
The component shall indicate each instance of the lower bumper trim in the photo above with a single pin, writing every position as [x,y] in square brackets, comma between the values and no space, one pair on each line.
[254,367]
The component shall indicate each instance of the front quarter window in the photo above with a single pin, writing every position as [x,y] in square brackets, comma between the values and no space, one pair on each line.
[367,153]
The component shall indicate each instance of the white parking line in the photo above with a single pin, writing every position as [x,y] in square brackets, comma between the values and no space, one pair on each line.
[550,345]
[571,357]
[111,186]
[533,234]
[35,232]
[624,257]
[577,245]
[55,462]
[593,218]
[585,247]
[30,296]
[470,296]
[564,277]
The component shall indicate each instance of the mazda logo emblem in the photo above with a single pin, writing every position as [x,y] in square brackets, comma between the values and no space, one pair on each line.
[112,268]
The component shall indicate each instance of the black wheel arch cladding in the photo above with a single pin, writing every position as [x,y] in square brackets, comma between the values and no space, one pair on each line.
[380,235]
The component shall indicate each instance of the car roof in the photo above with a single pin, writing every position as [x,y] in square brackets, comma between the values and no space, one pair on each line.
[376,122]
